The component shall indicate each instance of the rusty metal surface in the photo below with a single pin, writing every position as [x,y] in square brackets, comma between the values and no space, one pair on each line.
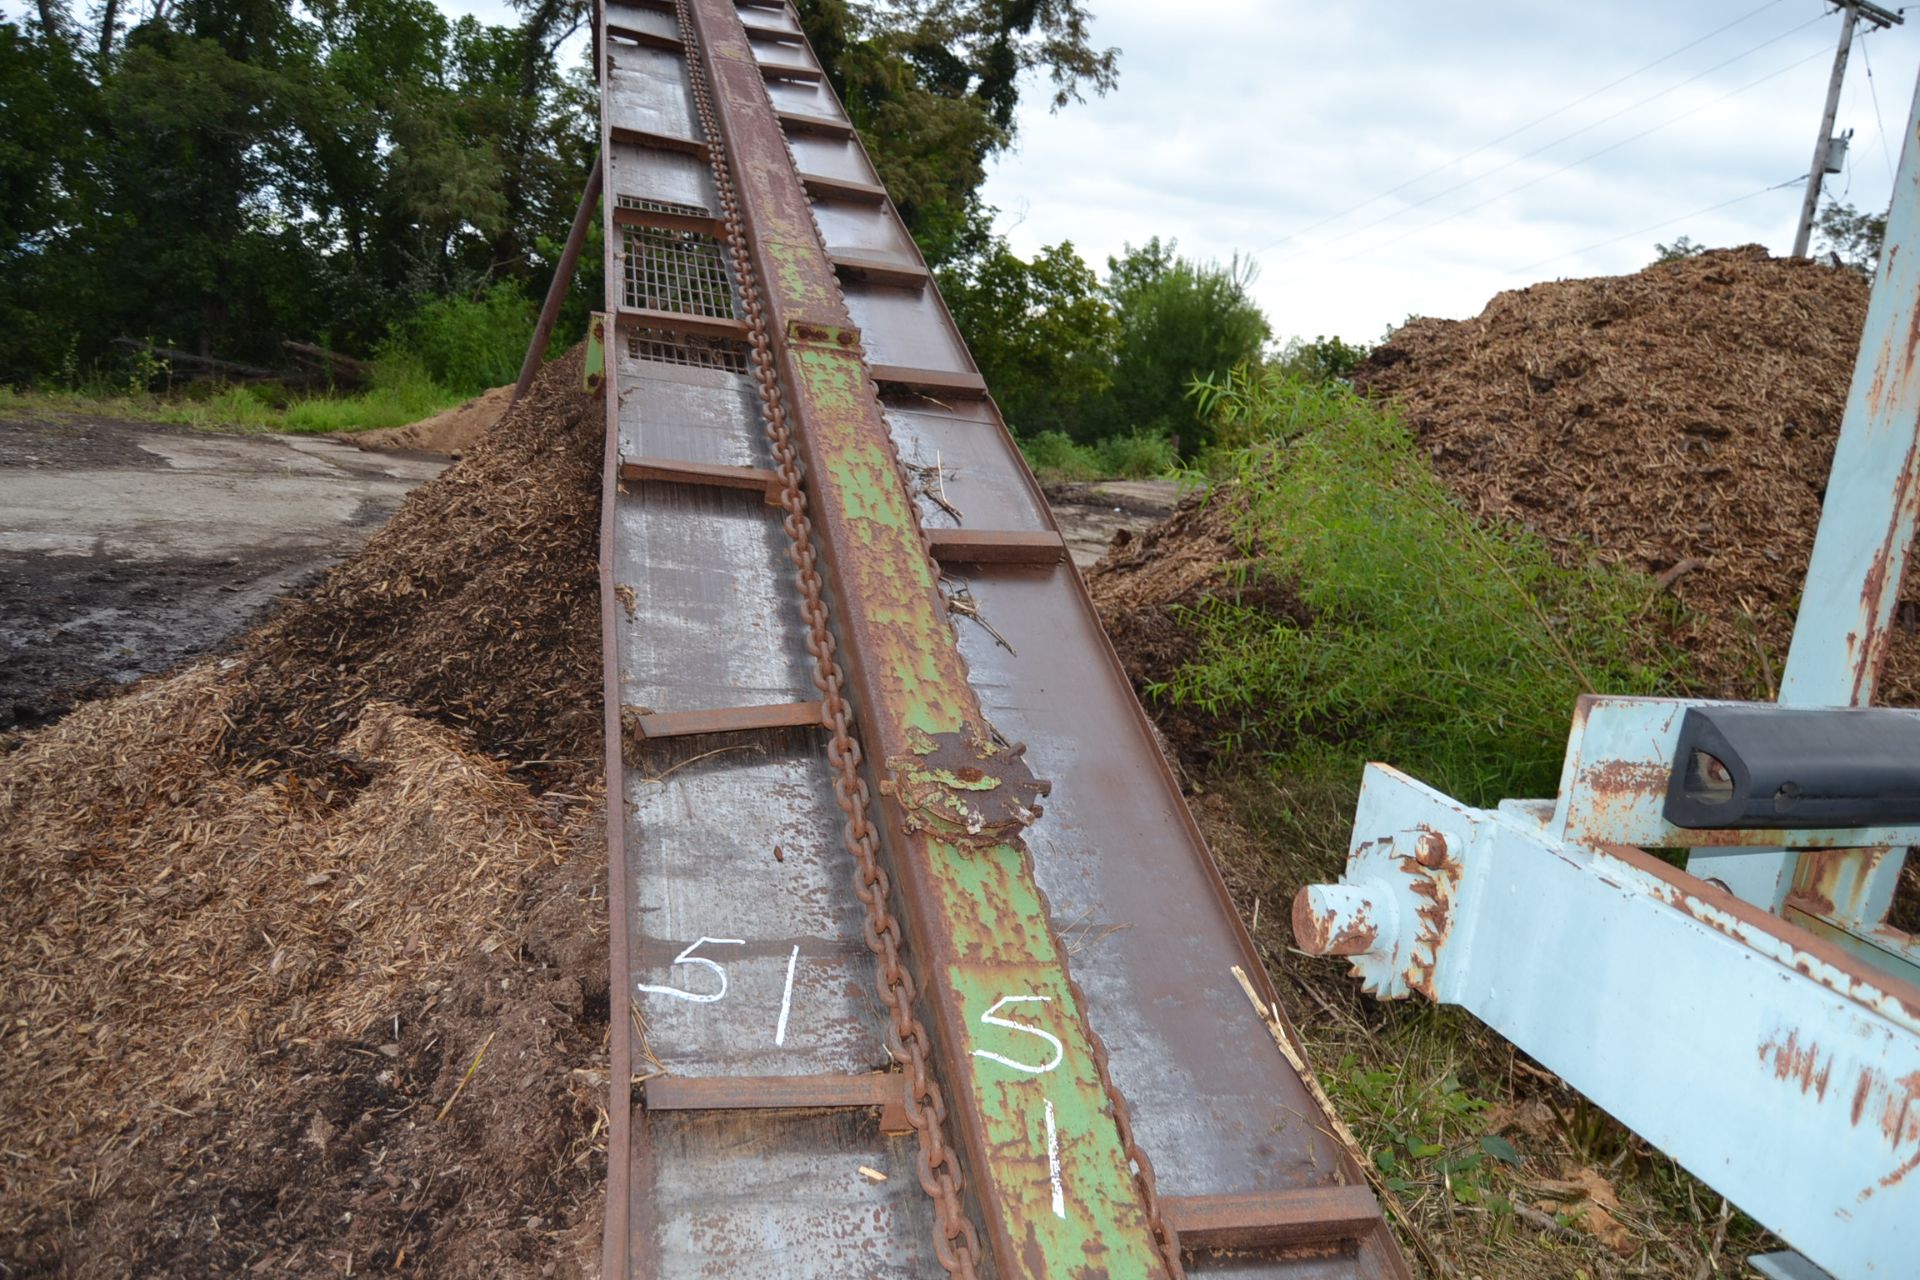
[693,594]
[1614,780]
[1321,1216]
[749,959]
[756,479]
[709,815]
[878,1090]
[979,939]
[704,567]
[680,724]
[996,546]
[1138,897]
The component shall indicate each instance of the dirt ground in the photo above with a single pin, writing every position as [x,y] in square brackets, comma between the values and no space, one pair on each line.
[1091,516]
[126,548]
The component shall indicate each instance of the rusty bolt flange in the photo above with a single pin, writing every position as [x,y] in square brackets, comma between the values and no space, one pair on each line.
[1343,919]
[1433,849]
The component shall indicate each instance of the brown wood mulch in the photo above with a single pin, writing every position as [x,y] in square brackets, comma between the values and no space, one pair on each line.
[305,967]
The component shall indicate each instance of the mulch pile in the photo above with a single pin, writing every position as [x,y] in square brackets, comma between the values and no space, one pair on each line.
[451,431]
[1140,585]
[305,967]
[1680,421]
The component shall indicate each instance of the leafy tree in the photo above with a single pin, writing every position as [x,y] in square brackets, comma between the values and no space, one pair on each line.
[1042,332]
[1322,360]
[1180,321]
[227,172]
[220,174]
[46,163]
[1850,237]
[932,86]
[1684,247]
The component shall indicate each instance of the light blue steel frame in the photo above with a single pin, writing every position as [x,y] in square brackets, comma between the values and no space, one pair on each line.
[1754,1016]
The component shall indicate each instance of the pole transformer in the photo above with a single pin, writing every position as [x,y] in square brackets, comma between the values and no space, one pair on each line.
[1853,11]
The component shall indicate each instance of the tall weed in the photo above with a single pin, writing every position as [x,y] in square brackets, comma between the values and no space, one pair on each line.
[1413,634]
[468,344]
[1136,457]
[401,393]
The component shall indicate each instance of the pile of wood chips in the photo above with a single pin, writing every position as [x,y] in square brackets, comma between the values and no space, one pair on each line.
[305,962]
[1680,420]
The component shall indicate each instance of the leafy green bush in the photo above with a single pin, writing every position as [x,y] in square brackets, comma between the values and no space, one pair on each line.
[1057,459]
[402,392]
[1322,360]
[468,344]
[1254,405]
[1135,457]
[1377,620]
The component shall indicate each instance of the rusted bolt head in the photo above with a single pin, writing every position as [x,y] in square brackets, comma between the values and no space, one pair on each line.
[1433,849]
[1342,919]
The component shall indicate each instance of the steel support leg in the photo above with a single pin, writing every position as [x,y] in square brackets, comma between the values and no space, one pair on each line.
[562,281]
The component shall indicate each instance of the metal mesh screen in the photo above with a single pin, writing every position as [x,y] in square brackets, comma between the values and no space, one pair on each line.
[662,206]
[685,349]
[679,271]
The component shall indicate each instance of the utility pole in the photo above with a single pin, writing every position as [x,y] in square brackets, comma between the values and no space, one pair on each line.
[1854,10]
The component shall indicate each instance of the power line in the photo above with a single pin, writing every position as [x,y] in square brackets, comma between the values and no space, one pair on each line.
[1592,155]
[1658,226]
[1878,119]
[1567,137]
[1514,133]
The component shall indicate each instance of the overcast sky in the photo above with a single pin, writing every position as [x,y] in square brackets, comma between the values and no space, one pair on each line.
[1276,128]
[1410,157]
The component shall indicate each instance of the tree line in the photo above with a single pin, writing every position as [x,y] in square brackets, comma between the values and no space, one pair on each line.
[222,175]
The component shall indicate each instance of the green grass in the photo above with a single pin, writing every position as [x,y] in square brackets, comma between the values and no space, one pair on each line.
[1057,459]
[402,393]
[1407,631]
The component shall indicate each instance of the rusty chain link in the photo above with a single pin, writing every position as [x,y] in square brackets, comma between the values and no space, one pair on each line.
[956,1241]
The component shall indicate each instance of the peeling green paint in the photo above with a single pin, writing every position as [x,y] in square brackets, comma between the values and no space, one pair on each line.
[836,379]
[997,922]
[1097,1227]
[995,909]
[789,266]
[913,640]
